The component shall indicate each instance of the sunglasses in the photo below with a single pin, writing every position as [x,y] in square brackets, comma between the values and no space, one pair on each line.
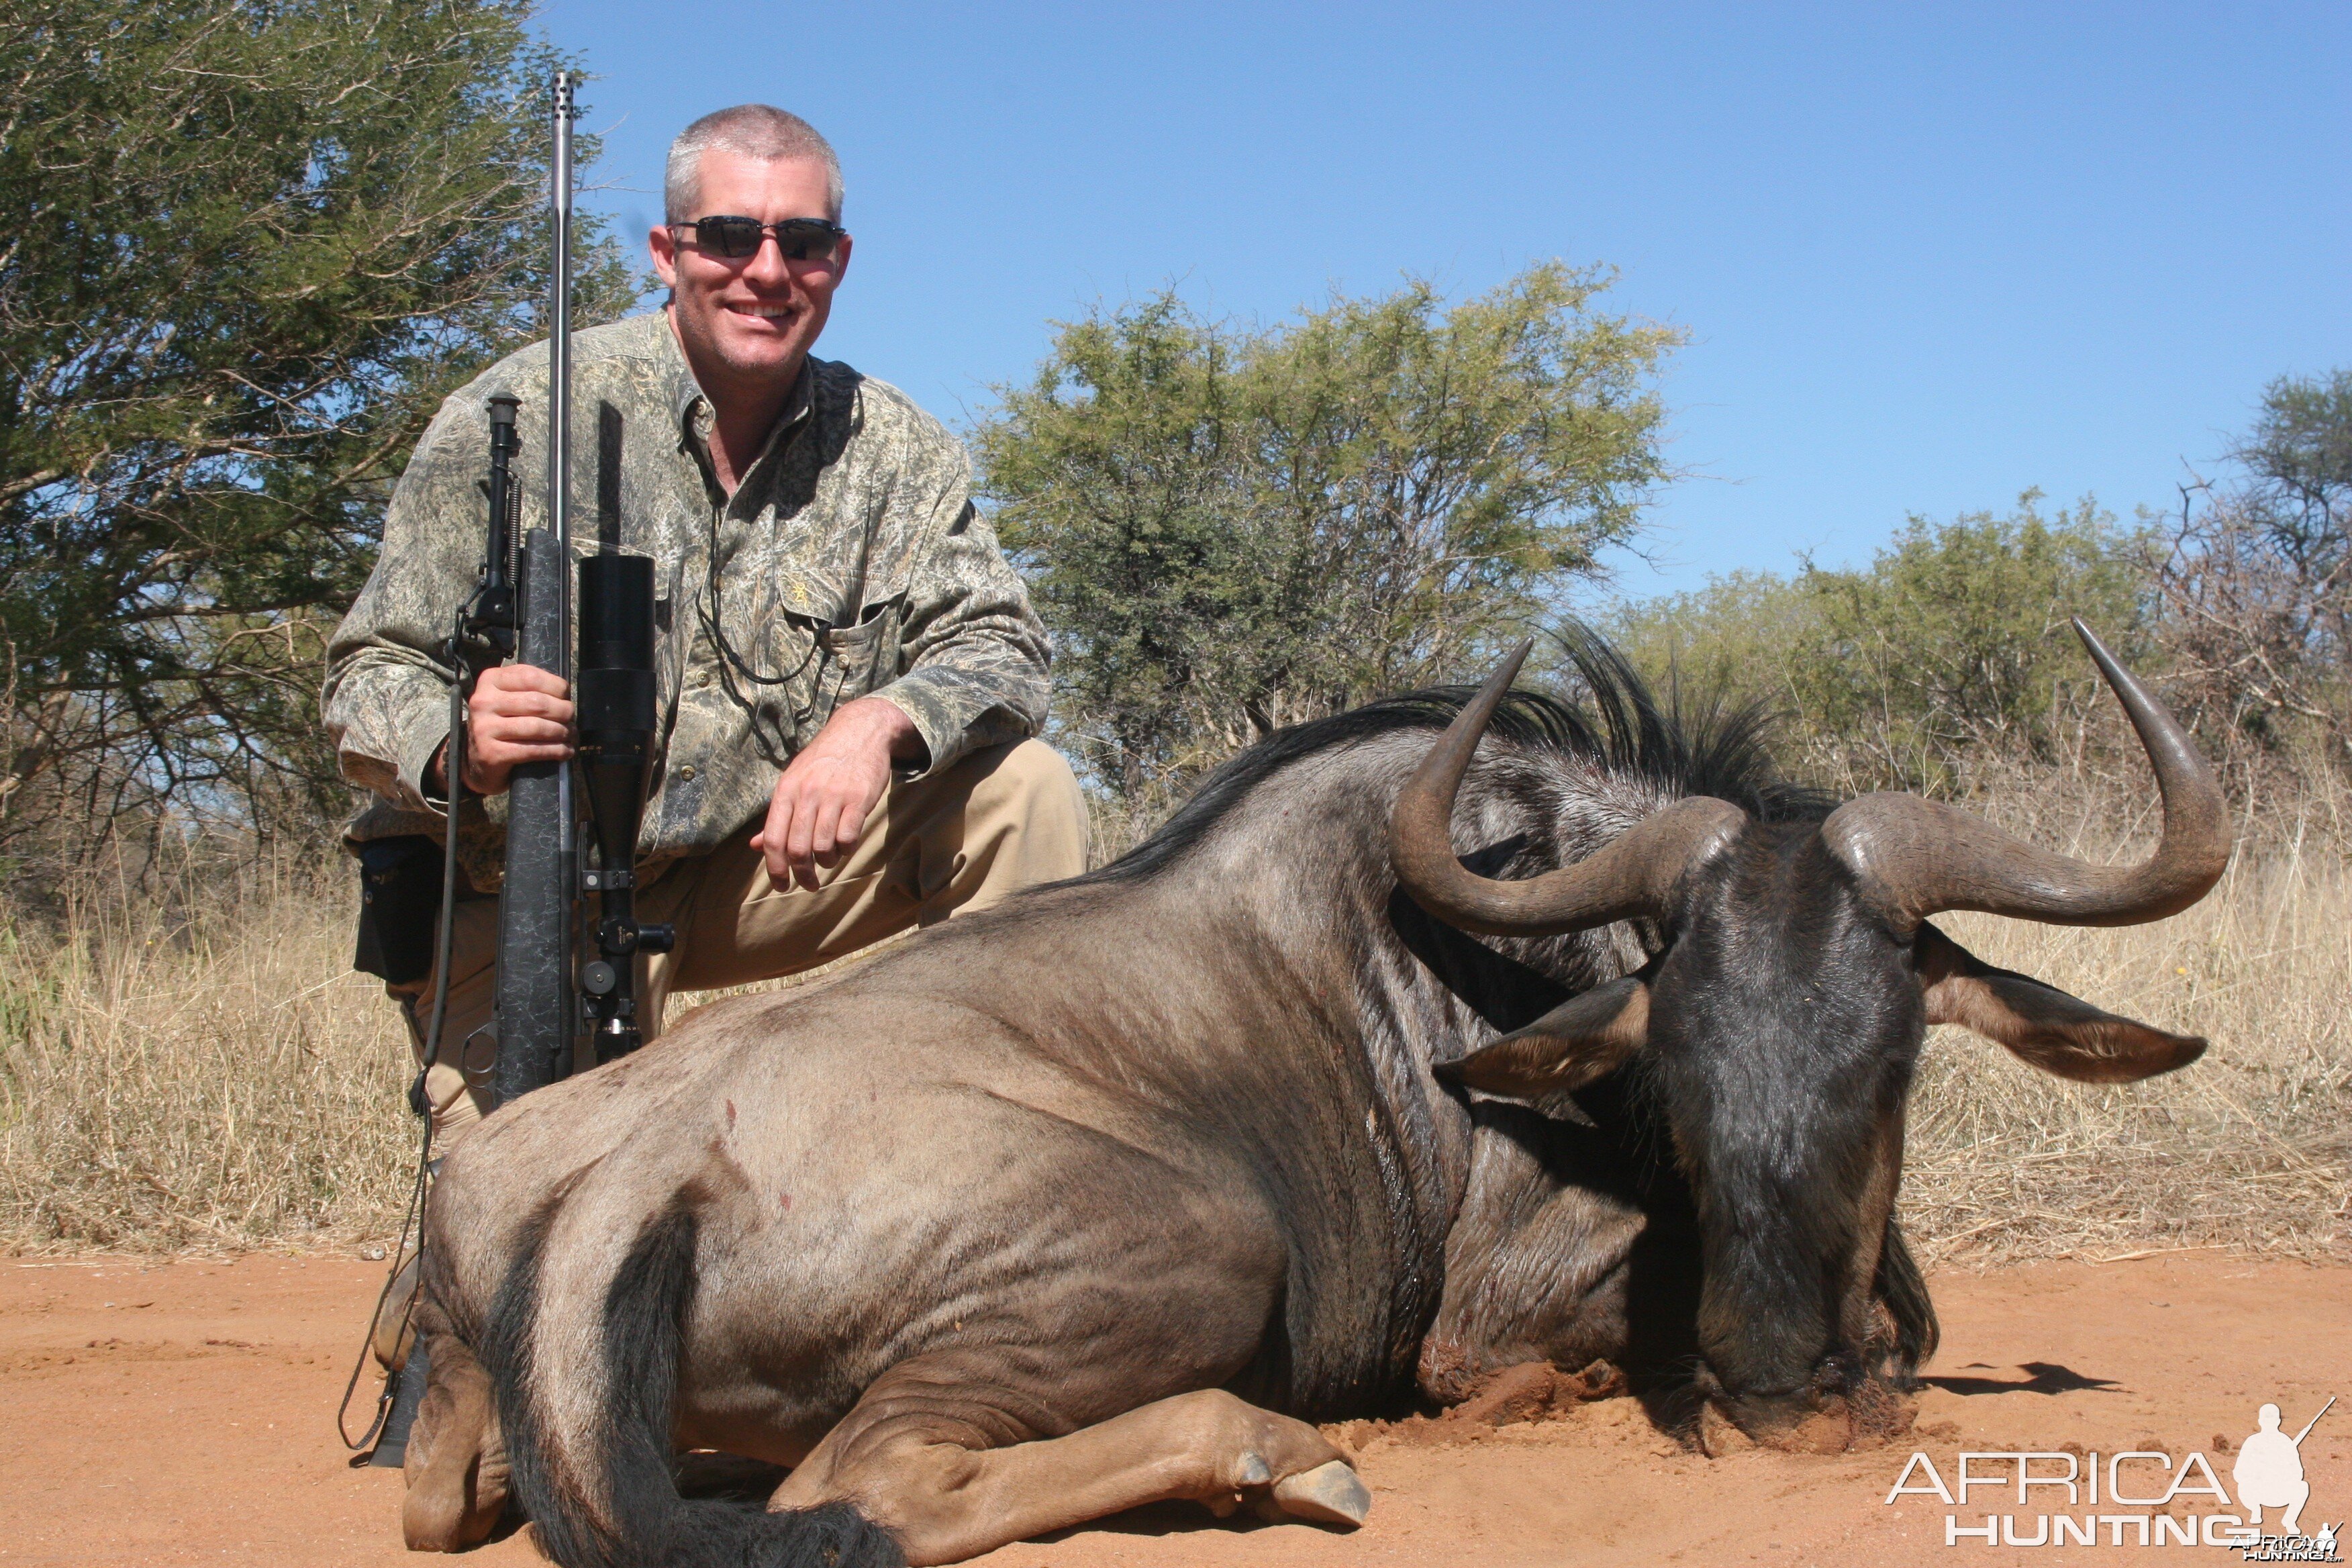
[799,238]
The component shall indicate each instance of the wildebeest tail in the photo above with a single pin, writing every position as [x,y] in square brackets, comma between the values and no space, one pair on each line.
[595,1475]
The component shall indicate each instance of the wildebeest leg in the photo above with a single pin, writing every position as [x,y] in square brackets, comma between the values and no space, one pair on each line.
[929,1461]
[455,1465]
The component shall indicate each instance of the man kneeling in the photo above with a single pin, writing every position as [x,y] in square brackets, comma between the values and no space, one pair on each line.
[849,671]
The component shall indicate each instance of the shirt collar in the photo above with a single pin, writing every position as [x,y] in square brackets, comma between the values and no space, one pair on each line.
[692,406]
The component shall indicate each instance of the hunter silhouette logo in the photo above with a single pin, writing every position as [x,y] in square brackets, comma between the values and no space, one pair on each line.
[2268,1474]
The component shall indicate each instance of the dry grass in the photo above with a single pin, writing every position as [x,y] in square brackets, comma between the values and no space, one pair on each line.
[2250,1146]
[199,1070]
[204,1070]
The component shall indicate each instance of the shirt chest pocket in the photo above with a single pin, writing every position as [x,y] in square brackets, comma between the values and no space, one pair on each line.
[864,656]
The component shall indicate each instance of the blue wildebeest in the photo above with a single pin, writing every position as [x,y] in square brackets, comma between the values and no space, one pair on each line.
[1100,1197]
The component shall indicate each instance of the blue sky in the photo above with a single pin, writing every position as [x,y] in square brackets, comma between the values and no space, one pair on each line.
[1928,256]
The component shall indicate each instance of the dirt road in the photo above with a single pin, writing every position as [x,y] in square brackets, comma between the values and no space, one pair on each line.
[178,1415]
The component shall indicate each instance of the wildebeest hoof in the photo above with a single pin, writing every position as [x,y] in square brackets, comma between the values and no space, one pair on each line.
[1252,1472]
[1327,1494]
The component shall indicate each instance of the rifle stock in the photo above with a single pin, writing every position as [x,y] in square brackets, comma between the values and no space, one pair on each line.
[535,902]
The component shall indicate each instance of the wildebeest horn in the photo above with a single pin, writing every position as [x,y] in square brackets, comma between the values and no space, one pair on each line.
[1630,877]
[1920,857]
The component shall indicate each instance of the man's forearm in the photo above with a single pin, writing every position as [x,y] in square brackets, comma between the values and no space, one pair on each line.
[973,652]
[984,692]
[877,721]
[386,696]
[387,714]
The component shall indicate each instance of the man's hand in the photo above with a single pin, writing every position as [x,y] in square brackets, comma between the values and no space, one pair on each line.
[821,801]
[519,713]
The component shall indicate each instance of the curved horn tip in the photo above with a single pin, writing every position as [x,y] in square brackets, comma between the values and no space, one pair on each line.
[1508,671]
[1480,708]
[2110,668]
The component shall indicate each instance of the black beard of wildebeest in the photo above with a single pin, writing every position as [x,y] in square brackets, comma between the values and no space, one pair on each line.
[1385,1065]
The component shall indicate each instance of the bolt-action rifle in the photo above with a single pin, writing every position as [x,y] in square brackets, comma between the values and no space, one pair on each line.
[563,977]
[548,992]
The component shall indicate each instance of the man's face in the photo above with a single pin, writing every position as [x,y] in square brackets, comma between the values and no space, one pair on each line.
[750,321]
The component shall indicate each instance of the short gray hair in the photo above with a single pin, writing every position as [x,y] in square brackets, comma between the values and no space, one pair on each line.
[748,131]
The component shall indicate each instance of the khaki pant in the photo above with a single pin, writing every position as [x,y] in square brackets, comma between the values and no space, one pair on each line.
[956,840]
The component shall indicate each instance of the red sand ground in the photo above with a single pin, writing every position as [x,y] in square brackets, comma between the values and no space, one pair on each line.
[180,1413]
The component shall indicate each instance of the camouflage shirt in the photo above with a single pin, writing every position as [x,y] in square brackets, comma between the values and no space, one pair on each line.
[848,562]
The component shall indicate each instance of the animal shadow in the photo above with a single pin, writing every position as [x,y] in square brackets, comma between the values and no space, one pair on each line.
[2047,1377]
[1173,1517]
[730,1477]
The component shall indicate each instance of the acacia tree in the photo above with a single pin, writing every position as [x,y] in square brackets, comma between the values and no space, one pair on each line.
[253,242]
[1231,530]
[2258,588]
[1950,649]
[1954,644]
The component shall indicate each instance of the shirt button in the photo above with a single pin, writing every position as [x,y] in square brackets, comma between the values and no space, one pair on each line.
[686,774]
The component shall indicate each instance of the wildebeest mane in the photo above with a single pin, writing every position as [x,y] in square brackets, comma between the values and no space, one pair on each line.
[1678,744]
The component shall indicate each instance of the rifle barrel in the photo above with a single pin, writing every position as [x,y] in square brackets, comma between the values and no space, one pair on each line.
[559,413]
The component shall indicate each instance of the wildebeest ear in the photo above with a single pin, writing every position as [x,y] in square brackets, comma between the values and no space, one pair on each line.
[2057,1033]
[1583,1039]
